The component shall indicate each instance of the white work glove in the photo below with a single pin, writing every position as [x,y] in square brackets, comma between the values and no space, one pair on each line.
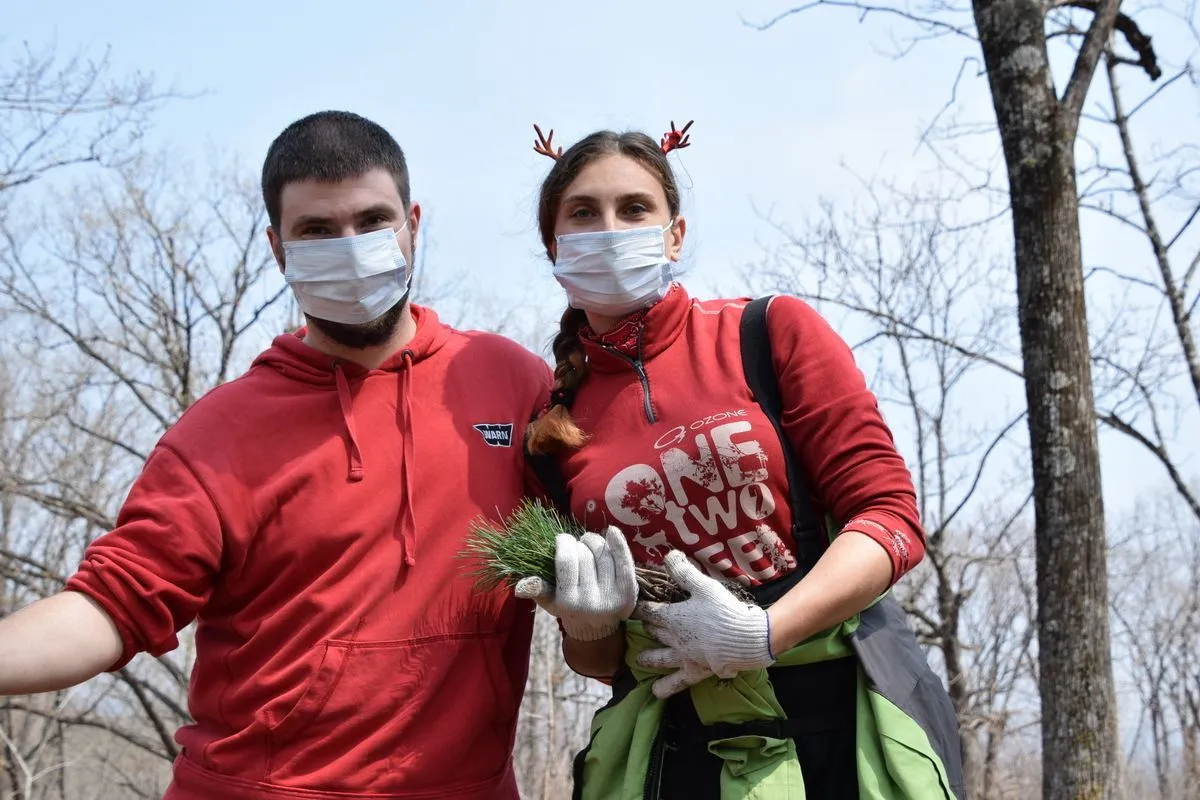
[712,632]
[594,584]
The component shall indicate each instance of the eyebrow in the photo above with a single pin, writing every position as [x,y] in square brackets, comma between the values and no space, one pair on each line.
[310,219]
[379,209]
[643,197]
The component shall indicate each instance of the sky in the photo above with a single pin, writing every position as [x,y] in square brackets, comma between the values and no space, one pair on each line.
[782,117]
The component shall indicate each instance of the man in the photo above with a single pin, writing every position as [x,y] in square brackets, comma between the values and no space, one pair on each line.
[309,515]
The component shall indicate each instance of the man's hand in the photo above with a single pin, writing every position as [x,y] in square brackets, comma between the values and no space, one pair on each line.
[594,584]
[712,632]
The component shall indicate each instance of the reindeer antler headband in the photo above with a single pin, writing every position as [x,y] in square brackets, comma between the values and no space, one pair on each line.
[671,140]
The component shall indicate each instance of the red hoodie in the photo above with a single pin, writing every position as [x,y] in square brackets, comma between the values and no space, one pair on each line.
[680,456]
[310,516]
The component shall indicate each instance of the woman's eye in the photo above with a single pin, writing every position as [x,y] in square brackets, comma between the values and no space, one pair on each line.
[581,213]
[637,209]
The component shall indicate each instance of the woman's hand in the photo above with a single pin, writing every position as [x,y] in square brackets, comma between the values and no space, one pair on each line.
[594,589]
[712,632]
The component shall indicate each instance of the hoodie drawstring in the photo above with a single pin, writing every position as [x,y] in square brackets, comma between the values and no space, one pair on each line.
[347,403]
[408,518]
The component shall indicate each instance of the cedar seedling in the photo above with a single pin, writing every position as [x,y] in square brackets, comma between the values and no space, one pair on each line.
[523,547]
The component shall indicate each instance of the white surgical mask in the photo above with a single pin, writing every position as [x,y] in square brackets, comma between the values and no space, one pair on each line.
[351,280]
[614,272]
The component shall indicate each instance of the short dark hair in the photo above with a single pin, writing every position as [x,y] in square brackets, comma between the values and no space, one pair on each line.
[329,146]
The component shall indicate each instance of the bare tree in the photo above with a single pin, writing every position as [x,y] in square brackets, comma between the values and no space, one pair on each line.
[905,278]
[1038,127]
[555,717]
[1156,608]
[57,112]
[1158,202]
[126,299]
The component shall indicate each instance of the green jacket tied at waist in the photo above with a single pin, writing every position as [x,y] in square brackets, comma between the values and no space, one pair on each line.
[895,758]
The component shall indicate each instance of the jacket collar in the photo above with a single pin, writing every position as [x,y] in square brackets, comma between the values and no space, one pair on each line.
[641,336]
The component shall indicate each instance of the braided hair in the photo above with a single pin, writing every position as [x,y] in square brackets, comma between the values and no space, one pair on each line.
[556,431]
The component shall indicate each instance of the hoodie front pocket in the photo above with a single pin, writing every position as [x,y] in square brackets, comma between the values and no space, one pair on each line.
[316,694]
[416,715]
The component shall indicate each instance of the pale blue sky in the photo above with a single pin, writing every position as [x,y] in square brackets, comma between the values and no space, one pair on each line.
[461,83]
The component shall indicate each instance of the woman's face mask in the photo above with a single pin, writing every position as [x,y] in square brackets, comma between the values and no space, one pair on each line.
[614,272]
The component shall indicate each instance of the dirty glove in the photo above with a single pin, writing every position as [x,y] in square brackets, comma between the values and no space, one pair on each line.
[594,584]
[712,630]
[687,676]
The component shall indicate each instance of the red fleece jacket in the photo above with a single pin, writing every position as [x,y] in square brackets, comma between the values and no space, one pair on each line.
[310,516]
[680,455]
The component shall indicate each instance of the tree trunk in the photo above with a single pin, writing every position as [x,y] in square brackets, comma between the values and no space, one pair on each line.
[949,609]
[1079,730]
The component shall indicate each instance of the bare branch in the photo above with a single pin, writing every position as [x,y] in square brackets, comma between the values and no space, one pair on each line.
[1140,42]
[1160,453]
[61,112]
[1094,42]
[927,23]
[1170,290]
[91,721]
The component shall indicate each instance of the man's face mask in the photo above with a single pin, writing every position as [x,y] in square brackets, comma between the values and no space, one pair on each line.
[614,272]
[352,280]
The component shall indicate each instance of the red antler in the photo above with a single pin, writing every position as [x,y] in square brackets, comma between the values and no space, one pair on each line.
[675,139]
[545,144]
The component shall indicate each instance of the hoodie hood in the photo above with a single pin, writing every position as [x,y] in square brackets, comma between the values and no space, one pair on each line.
[292,358]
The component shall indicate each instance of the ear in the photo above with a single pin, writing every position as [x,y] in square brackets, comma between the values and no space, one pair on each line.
[675,245]
[552,249]
[414,220]
[414,229]
[276,246]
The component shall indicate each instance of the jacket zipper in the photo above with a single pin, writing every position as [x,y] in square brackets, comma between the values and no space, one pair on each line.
[640,368]
[652,788]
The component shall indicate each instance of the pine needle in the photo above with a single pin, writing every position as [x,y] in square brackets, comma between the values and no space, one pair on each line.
[523,547]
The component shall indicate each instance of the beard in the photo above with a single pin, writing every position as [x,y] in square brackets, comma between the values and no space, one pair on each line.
[368,334]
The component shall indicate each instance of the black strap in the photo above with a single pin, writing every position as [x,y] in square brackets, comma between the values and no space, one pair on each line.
[808,529]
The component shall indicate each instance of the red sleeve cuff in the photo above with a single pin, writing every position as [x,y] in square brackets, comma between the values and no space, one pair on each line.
[89,584]
[903,547]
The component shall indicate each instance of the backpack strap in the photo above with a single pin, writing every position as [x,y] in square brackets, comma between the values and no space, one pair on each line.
[808,529]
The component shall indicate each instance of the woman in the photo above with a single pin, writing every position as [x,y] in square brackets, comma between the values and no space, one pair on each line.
[657,433]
